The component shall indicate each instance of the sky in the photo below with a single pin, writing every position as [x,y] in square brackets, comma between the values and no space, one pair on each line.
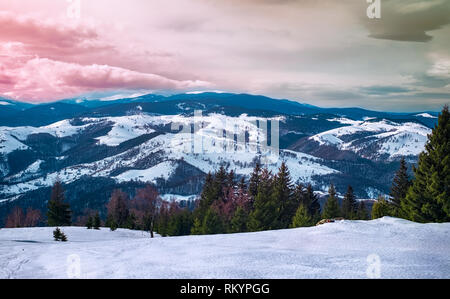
[322,52]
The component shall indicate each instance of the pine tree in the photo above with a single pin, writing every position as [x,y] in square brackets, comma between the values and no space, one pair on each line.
[197,227]
[131,221]
[302,217]
[207,197]
[254,180]
[362,213]
[90,222]
[212,224]
[313,203]
[381,208]
[59,213]
[349,204]
[230,179]
[428,199]
[239,221]
[221,180]
[331,208]
[57,234]
[283,197]
[96,222]
[400,186]
[265,215]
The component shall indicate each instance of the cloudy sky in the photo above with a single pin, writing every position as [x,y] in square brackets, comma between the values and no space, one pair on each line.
[322,52]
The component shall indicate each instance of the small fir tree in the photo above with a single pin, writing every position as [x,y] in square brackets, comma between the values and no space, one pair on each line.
[302,217]
[96,222]
[331,208]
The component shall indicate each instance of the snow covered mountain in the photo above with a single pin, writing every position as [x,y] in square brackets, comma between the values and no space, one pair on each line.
[95,147]
[375,139]
[159,157]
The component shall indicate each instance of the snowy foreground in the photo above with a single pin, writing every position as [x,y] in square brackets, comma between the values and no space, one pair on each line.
[387,247]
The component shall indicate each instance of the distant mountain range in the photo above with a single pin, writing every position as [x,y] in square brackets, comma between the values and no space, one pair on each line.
[94,146]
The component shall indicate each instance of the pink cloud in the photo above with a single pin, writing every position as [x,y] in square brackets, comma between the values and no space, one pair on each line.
[41,79]
[49,60]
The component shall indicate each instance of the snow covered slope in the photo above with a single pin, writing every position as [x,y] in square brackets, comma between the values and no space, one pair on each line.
[375,139]
[160,156]
[334,250]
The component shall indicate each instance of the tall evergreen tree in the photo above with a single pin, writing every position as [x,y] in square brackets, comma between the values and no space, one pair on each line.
[284,197]
[264,216]
[313,203]
[59,213]
[428,199]
[400,186]
[206,197]
[349,204]
[254,181]
[331,208]
[230,183]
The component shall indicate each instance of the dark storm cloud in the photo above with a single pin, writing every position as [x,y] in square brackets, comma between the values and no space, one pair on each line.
[384,90]
[409,20]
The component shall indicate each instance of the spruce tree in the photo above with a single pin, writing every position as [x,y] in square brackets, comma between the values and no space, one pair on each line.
[331,208]
[59,213]
[302,217]
[283,196]
[428,199]
[239,221]
[131,221]
[254,181]
[313,203]
[265,214]
[207,197]
[96,222]
[90,222]
[381,208]
[197,227]
[57,234]
[349,204]
[213,223]
[400,186]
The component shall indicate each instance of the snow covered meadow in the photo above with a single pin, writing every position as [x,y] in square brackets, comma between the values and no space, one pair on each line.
[385,248]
